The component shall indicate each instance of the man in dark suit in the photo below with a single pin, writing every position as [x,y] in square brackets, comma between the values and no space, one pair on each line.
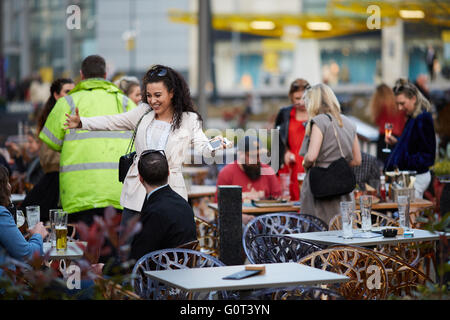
[167,219]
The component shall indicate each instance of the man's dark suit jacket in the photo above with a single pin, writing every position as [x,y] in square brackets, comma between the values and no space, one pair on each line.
[167,222]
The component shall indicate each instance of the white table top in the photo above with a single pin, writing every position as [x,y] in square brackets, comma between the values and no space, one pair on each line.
[73,250]
[16,197]
[335,237]
[277,275]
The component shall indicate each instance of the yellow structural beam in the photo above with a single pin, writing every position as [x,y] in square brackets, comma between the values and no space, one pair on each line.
[343,17]
[279,23]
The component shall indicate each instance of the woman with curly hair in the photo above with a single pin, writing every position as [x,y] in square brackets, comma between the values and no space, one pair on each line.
[167,121]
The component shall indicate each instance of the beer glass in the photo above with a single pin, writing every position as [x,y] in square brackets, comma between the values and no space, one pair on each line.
[33,216]
[20,221]
[53,216]
[365,204]
[403,211]
[61,230]
[347,219]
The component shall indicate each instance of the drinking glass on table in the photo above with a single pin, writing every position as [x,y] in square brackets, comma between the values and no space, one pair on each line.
[347,219]
[21,222]
[53,216]
[387,132]
[403,210]
[365,204]
[33,216]
[61,230]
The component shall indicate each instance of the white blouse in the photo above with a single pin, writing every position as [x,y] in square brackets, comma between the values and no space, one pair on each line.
[157,135]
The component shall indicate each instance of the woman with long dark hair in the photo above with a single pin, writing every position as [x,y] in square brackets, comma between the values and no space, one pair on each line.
[45,192]
[291,121]
[12,242]
[167,121]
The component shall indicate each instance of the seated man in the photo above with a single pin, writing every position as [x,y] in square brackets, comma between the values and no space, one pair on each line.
[258,181]
[368,172]
[167,219]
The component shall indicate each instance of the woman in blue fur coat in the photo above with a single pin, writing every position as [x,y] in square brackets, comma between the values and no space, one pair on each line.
[415,150]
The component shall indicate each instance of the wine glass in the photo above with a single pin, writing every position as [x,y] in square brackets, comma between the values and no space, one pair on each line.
[387,133]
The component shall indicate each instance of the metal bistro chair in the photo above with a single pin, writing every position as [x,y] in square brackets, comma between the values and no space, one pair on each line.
[278,223]
[403,278]
[170,259]
[271,248]
[295,293]
[208,237]
[368,276]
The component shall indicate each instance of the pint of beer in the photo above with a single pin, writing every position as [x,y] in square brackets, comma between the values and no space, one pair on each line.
[61,237]
[61,230]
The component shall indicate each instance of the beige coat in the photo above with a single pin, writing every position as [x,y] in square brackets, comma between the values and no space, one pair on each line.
[178,144]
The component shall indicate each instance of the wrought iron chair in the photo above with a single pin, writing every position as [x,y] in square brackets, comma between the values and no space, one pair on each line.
[295,293]
[368,276]
[273,248]
[193,245]
[170,259]
[278,223]
[208,237]
[403,278]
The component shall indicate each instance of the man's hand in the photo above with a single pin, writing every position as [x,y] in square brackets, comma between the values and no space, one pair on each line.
[72,121]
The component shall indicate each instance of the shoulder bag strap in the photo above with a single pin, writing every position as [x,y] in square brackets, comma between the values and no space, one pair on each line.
[130,146]
[336,135]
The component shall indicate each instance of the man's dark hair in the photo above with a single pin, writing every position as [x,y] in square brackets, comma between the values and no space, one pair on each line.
[93,67]
[153,168]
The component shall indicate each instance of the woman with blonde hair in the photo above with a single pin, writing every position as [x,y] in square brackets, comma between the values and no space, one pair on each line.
[320,147]
[415,150]
[383,110]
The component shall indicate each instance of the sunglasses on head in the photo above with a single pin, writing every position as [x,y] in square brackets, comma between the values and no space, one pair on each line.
[146,152]
[160,72]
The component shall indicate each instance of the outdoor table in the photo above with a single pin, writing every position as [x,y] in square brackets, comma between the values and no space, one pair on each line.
[277,275]
[73,251]
[251,209]
[391,205]
[198,191]
[16,197]
[335,237]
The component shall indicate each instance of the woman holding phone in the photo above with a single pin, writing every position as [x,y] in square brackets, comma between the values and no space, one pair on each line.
[168,122]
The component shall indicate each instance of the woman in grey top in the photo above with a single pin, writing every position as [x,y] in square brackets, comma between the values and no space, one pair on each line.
[320,147]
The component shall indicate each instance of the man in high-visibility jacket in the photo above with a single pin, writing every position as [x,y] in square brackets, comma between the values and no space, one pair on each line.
[89,159]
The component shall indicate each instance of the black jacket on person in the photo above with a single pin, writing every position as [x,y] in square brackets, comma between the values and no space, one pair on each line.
[167,222]
[282,123]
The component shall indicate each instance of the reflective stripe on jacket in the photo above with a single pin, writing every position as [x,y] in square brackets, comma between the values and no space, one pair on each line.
[89,160]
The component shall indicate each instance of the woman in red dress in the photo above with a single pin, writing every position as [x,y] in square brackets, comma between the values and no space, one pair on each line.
[291,121]
[384,109]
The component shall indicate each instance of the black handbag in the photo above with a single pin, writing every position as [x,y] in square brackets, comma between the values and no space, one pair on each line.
[335,180]
[126,160]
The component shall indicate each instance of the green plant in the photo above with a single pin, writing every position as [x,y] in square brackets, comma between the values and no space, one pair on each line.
[442,168]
